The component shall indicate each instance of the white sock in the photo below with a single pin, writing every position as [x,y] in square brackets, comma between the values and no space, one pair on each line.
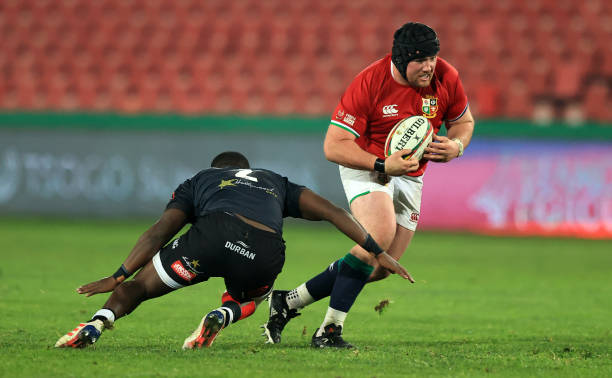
[332,317]
[106,313]
[299,297]
[229,315]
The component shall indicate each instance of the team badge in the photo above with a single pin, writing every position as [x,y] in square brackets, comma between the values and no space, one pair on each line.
[430,106]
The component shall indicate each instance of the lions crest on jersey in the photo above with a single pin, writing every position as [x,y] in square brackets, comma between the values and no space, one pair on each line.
[430,106]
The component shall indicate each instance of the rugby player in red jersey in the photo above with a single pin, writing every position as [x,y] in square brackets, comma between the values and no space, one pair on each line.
[384,193]
[237,218]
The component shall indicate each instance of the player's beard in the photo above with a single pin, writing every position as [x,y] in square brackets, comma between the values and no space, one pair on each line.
[420,81]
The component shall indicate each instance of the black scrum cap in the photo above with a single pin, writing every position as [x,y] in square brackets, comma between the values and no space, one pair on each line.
[413,41]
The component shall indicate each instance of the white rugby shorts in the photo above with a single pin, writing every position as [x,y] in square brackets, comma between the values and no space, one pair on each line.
[405,191]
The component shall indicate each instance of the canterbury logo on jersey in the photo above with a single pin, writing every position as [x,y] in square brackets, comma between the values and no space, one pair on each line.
[389,110]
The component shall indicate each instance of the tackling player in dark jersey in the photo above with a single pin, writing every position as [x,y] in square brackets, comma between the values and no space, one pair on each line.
[237,216]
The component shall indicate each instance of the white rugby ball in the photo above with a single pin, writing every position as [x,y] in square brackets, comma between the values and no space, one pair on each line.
[412,134]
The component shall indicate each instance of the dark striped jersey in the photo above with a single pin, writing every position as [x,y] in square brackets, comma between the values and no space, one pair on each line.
[258,194]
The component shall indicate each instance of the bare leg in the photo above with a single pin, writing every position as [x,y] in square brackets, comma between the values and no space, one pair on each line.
[127,296]
[376,213]
[124,299]
[403,237]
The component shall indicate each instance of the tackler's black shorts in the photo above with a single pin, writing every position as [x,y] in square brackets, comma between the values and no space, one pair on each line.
[221,245]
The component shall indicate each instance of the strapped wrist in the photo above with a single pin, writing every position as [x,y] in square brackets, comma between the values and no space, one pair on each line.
[371,246]
[379,165]
[460,145]
[122,272]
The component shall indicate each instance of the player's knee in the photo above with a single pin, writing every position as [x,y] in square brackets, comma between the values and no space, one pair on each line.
[364,256]
[262,298]
[383,238]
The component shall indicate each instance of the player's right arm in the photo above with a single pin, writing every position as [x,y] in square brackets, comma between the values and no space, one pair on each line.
[159,234]
[314,207]
[179,211]
[340,147]
[171,221]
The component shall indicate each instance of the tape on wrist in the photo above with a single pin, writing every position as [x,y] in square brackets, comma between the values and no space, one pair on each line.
[371,246]
[122,272]
[459,144]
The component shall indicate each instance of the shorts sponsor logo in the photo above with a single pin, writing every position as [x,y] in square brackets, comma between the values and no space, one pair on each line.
[350,119]
[389,110]
[239,249]
[181,271]
[414,217]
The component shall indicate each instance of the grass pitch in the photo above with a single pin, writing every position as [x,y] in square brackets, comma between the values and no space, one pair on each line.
[481,306]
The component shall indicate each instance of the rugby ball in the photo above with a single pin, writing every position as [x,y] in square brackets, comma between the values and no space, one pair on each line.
[412,134]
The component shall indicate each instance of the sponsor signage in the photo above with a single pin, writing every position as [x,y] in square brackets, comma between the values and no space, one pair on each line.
[509,187]
[527,188]
[119,174]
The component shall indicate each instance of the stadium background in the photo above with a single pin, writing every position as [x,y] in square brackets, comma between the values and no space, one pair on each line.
[106,106]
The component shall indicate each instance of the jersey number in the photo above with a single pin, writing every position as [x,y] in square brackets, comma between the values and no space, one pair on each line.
[244,173]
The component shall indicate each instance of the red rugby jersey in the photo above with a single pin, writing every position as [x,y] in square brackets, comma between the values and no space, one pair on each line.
[374,102]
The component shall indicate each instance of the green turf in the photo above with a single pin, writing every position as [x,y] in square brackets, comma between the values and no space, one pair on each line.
[481,306]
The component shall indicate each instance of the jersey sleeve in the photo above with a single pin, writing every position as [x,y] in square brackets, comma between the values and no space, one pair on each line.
[292,200]
[458,101]
[351,114]
[183,199]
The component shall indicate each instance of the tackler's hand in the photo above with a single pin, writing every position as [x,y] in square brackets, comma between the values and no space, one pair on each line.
[386,261]
[396,165]
[101,286]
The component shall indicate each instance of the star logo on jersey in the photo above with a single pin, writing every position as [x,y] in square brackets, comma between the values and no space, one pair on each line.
[225,183]
[192,265]
[430,106]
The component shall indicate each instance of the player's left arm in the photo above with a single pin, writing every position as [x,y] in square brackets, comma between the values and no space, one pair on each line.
[171,221]
[444,149]
[314,207]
